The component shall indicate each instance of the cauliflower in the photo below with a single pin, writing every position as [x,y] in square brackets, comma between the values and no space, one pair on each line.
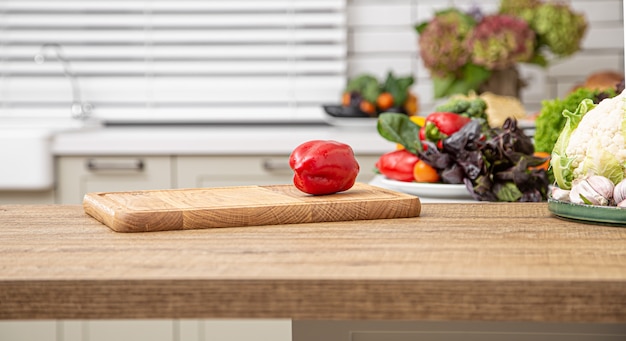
[593,142]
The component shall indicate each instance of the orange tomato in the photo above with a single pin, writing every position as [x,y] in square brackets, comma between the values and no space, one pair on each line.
[345,99]
[384,101]
[367,107]
[411,105]
[423,172]
[542,155]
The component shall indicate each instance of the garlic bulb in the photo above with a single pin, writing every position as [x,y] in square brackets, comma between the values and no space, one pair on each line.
[593,190]
[559,194]
[619,192]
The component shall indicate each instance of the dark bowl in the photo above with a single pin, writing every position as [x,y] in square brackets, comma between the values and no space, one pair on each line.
[343,112]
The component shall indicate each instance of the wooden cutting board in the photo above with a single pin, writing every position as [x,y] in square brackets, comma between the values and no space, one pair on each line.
[198,208]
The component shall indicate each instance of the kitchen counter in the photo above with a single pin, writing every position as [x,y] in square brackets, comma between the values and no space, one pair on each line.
[476,262]
[213,139]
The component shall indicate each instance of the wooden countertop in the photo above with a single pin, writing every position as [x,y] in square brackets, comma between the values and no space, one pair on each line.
[481,261]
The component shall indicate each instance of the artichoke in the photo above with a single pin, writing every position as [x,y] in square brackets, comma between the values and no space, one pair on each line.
[500,41]
[442,42]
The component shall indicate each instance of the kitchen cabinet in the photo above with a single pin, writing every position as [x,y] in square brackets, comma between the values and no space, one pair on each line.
[146,329]
[27,197]
[23,330]
[455,331]
[77,175]
[219,171]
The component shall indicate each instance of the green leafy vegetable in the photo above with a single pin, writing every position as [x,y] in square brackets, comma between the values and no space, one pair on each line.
[366,85]
[551,121]
[400,129]
[398,87]
[472,108]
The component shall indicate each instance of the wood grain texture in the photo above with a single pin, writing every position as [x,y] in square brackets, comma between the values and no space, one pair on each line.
[198,208]
[480,262]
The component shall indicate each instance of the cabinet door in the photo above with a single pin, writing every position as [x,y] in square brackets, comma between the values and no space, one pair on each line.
[27,197]
[78,175]
[220,171]
[24,330]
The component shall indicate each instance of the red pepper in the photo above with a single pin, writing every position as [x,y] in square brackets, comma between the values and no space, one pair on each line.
[397,165]
[323,167]
[440,125]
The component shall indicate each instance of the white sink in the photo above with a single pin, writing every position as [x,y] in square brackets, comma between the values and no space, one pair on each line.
[27,163]
[26,157]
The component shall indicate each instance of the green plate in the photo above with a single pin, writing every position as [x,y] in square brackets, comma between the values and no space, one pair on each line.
[608,215]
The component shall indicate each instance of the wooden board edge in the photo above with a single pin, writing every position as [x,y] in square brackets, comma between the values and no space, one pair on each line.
[119,219]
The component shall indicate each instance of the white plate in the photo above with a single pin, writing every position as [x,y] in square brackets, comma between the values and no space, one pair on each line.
[428,190]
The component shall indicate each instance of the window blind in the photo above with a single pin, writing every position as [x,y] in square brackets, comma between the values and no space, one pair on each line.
[172,61]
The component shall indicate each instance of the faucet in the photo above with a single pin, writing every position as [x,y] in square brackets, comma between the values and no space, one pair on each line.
[79,109]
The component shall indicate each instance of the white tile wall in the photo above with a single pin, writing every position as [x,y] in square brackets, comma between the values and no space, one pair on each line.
[382,37]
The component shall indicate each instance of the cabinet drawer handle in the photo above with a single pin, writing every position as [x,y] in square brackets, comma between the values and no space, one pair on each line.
[271,165]
[95,165]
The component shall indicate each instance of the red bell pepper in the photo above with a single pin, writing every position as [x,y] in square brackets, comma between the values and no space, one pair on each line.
[440,125]
[323,167]
[397,165]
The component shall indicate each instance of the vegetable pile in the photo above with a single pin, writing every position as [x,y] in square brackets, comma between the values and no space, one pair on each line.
[592,143]
[495,164]
[366,95]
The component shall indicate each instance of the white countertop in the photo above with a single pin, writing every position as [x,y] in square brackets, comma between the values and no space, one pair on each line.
[212,139]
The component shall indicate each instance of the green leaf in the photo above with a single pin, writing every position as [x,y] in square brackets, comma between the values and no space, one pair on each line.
[538,59]
[560,162]
[475,75]
[398,87]
[421,27]
[472,76]
[404,85]
[442,85]
[361,82]
[391,86]
[398,128]
[370,91]
[509,192]
[585,200]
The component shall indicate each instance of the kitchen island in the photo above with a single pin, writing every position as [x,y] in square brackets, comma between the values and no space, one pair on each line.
[485,262]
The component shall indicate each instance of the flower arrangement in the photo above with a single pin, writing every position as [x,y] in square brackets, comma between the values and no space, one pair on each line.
[462,50]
